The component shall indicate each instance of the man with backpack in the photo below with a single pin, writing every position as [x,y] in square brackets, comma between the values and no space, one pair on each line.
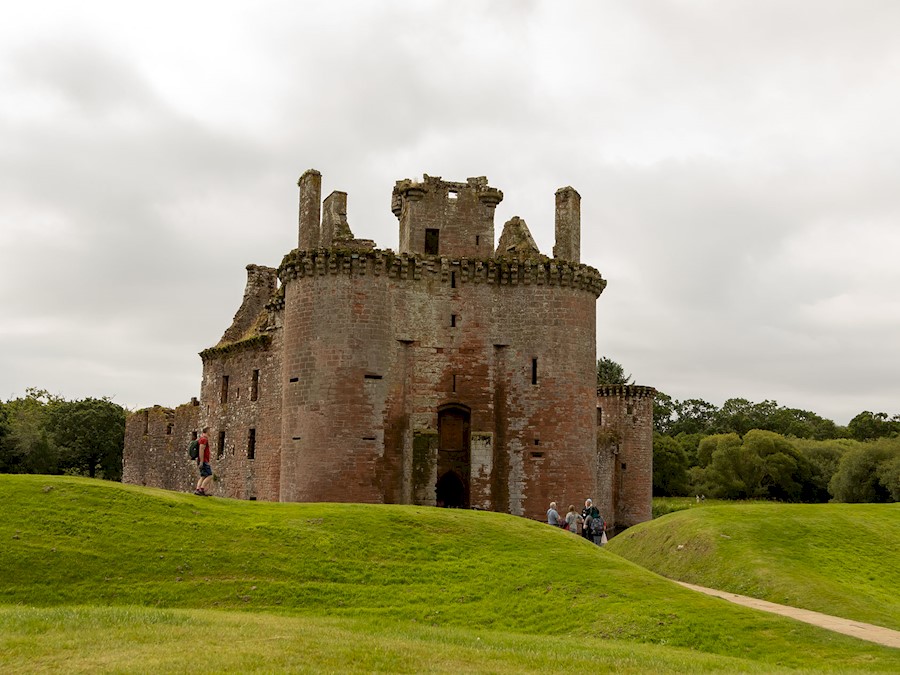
[206,473]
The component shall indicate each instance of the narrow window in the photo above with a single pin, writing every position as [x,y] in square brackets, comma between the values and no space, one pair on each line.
[432,237]
[169,429]
[254,386]
[477,239]
[533,371]
[220,451]
[454,383]
[452,279]
[624,466]
[599,415]
[537,441]
[224,397]
[453,320]
[294,379]
[537,455]
[251,444]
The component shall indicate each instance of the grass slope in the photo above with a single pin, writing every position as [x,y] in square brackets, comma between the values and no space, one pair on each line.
[840,559]
[360,587]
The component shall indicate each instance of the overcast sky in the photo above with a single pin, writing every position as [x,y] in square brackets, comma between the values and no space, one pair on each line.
[738,163]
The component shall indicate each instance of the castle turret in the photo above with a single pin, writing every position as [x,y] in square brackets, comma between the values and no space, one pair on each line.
[444,218]
[625,453]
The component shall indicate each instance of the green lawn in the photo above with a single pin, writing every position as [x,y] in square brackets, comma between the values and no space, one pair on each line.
[98,575]
[840,559]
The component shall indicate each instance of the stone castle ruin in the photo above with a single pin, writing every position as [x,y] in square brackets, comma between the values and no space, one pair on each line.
[449,373]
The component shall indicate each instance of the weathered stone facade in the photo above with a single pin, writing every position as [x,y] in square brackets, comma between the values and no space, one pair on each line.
[445,374]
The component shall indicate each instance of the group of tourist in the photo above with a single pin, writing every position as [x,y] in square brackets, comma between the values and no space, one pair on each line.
[588,524]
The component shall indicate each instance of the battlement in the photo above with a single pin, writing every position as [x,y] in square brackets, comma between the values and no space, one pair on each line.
[413,267]
[626,391]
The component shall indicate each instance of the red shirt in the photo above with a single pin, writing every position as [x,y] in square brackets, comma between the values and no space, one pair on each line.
[204,448]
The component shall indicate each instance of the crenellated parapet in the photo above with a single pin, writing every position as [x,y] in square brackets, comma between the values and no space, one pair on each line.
[626,391]
[502,271]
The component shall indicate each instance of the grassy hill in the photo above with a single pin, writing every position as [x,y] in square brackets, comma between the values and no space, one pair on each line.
[840,559]
[100,575]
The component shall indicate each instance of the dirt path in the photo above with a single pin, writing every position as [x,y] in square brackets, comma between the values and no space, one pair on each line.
[857,629]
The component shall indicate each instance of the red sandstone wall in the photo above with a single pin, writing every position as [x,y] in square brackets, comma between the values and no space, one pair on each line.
[374,357]
[156,441]
[236,474]
[625,452]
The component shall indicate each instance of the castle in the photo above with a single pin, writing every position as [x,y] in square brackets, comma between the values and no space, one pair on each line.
[449,373]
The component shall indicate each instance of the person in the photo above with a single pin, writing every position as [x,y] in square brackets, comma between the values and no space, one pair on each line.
[572,518]
[598,530]
[203,484]
[553,515]
[588,513]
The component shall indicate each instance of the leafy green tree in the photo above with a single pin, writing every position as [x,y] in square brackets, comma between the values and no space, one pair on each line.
[670,468]
[857,479]
[90,434]
[824,458]
[663,413]
[868,426]
[693,416]
[27,447]
[787,473]
[610,372]
[889,476]
[709,444]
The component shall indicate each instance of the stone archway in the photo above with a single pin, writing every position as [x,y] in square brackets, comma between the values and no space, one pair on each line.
[453,457]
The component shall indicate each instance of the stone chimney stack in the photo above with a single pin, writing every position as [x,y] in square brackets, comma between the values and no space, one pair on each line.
[310,184]
[568,225]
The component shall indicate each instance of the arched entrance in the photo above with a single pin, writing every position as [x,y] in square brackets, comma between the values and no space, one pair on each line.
[453,460]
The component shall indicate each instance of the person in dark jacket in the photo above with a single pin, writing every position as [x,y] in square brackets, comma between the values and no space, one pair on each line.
[589,512]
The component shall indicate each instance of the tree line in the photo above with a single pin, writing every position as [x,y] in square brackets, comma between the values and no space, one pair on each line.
[44,433]
[747,450]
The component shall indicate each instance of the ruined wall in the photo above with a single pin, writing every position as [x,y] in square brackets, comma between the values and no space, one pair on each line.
[156,441]
[462,215]
[243,413]
[625,453]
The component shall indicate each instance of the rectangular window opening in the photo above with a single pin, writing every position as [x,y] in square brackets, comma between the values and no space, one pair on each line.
[477,239]
[224,396]
[294,379]
[452,194]
[372,376]
[254,386]
[369,438]
[599,415]
[169,429]
[453,320]
[432,239]
[454,383]
[537,441]
[537,455]
[220,450]
[534,371]
[452,279]
[624,466]
[251,444]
